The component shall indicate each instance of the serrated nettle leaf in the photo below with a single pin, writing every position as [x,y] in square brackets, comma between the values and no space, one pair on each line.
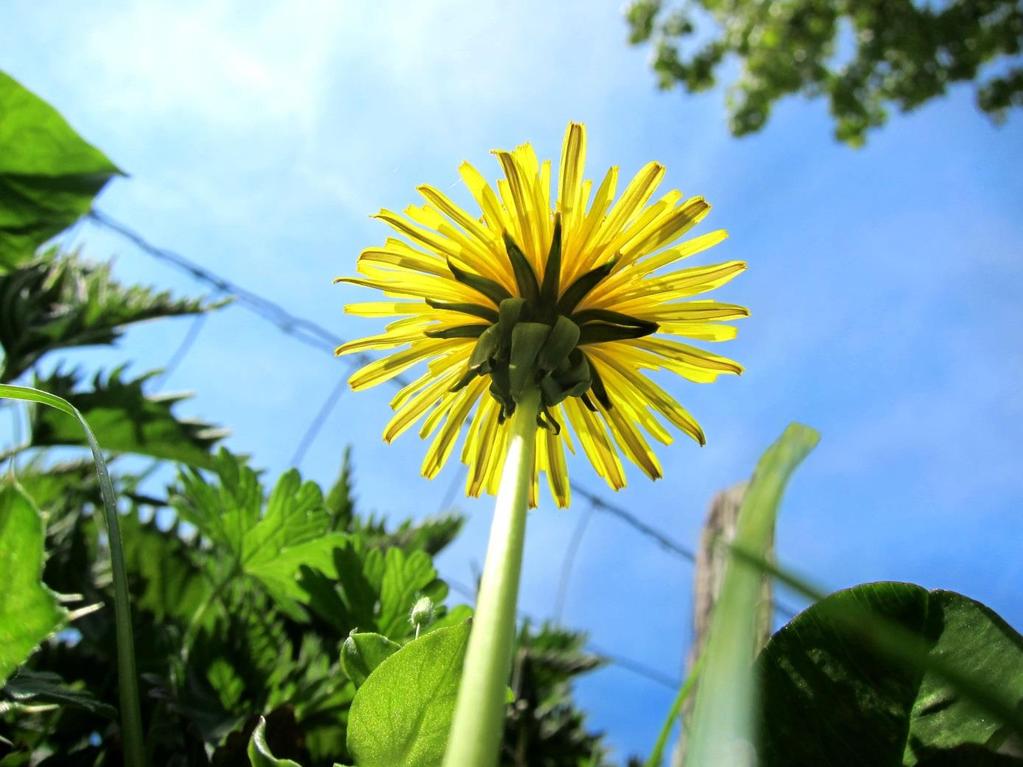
[28,686]
[432,534]
[405,578]
[29,611]
[49,175]
[124,419]
[272,545]
[829,697]
[56,301]
[722,724]
[401,715]
[372,589]
[364,651]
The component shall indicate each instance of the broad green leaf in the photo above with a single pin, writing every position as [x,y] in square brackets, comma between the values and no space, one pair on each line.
[124,419]
[58,301]
[372,589]
[259,751]
[273,546]
[48,173]
[362,652]
[29,611]
[722,723]
[28,686]
[879,711]
[401,715]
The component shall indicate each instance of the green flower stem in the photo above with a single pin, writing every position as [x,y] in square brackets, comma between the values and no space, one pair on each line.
[479,711]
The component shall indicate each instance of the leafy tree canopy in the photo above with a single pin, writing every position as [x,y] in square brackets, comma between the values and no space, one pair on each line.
[864,56]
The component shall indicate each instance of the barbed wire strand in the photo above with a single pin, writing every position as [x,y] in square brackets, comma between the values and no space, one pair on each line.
[568,562]
[187,342]
[318,421]
[289,324]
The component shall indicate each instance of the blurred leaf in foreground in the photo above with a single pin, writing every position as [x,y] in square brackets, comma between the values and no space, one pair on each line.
[878,711]
[48,173]
[29,611]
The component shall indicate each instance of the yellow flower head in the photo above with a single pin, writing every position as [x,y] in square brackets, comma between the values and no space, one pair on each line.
[569,298]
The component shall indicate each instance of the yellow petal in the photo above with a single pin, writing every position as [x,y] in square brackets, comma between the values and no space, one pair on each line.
[386,368]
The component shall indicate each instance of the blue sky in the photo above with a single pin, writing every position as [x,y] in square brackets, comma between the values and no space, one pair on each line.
[884,283]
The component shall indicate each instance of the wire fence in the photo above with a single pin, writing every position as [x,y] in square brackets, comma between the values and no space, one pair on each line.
[317,336]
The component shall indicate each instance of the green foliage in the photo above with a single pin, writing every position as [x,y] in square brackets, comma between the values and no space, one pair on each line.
[48,173]
[364,651]
[722,726]
[36,687]
[903,54]
[402,713]
[29,611]
[55,301]
[880,711]
[543,727]
[124,419]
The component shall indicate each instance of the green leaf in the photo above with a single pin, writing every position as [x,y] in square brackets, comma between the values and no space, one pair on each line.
[58,301]
[124,419]
[271,547]
[880,711]
[168,578]
[722,729]
[29,612]
[372,589]
[401,715]
[28,686]
[432,534]
[48,173]
[364,651]
[405,577]
[259,751]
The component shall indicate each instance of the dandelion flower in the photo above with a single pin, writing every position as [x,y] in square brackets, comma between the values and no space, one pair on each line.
[579,297]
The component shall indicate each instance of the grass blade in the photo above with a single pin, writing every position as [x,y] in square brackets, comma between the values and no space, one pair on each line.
[722,729]
[127,677]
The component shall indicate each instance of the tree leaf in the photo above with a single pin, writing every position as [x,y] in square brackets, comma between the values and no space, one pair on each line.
[124,419]
[259,751]
[362,652]
[432,534]
[48,173]
[878,711]
[401,715]
[56,301]
[28,686]
[29,611]
[722,729]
